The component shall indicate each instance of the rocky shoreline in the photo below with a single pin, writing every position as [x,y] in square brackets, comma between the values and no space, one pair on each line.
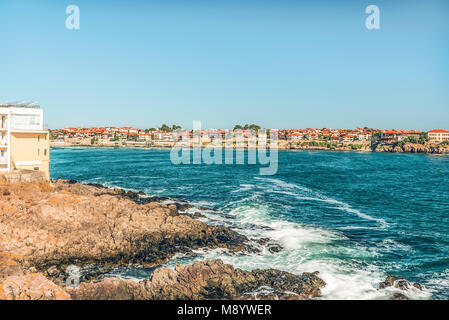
[414,148]
[407,148]
[52,232]
[45,228]
[205,280]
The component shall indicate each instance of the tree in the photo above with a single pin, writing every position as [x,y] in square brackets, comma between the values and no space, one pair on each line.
[413,140]
[254,127]
[164,127]
[423,138]
[167,128]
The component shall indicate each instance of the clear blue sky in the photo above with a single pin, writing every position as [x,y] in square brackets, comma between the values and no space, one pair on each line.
[279,63]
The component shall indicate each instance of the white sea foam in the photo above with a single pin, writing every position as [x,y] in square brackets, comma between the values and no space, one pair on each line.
[243,187]
[305,249]
[310,195]
[203,203]
[438,282]
[390,245]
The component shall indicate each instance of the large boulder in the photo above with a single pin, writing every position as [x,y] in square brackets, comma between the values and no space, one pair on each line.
[10,264]
[33,286]
[400,283]
[206,280]
[19,284]
[66,223]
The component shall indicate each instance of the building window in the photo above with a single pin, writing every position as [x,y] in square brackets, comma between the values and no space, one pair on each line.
[45,152]
[38,138]
[26,121]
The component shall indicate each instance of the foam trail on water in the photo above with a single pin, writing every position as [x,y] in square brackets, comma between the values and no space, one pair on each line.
[243,187]
[305,249]
[316,196]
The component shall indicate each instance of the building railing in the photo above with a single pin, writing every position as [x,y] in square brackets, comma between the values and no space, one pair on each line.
[27,127]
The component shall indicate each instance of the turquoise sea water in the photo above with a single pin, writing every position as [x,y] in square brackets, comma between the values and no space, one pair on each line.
[355,217]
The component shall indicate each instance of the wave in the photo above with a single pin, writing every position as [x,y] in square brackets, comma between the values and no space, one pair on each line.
[243,187]
[317,196]
[341,263]
[438,282]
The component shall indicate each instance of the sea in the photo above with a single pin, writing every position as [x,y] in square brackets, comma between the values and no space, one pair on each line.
[353,216]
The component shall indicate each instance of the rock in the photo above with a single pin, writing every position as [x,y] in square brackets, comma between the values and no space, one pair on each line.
[402,284]
[398,283]
[413,148]
[33,286]
[197,215]
[183,206]
[15,284]
[53,271]
[67,223]
[398,296]
[275,248]
[205,280]
[418,286]
[32,270]
[54,227]
[10,264]
[262,241]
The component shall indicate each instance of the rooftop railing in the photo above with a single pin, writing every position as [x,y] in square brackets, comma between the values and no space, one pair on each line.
[31,105]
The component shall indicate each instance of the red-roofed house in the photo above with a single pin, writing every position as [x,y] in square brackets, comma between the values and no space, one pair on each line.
[438,135]
[295,136]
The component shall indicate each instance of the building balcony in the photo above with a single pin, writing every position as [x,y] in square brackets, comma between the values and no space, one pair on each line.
[27,127]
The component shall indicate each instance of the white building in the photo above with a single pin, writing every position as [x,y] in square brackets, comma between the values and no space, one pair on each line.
[24,143]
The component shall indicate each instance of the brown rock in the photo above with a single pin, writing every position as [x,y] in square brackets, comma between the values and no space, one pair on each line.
[33,286]
[418,286]
[10,264]
[53,271]
[67,223]
[398,283]
[205,280]
[399,296]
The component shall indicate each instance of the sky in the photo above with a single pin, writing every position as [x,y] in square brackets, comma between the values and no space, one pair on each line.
[276,63]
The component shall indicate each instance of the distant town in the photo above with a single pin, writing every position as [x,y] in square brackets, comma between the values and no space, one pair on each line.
[434,141]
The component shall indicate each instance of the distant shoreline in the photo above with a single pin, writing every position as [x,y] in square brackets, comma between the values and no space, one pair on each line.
[405,149]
